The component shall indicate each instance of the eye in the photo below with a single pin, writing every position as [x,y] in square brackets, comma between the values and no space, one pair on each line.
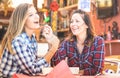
[77,21]
[36,13]
[71,21]
[30,14]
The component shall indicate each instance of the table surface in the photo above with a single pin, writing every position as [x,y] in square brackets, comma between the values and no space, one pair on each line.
[76,76]
[113,56]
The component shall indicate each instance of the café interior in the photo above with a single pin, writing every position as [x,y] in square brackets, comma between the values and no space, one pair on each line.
[104,15]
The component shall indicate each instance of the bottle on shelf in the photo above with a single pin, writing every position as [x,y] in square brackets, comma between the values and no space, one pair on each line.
[109,36]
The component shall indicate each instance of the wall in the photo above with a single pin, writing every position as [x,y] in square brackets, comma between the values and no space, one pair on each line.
[100,25]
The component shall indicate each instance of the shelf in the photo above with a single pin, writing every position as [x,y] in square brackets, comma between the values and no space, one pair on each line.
[4,21]
[112,41]
[63,30]
[68,7]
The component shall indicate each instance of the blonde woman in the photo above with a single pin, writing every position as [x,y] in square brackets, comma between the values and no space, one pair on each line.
[19,46]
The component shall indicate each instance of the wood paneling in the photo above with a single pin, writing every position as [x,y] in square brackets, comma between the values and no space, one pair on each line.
[112,47]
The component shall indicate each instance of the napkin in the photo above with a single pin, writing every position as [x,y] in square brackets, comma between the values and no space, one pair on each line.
[61,70]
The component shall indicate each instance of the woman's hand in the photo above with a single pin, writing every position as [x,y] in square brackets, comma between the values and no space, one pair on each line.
[49,36]
[81,72]
[47,32]
[52,40]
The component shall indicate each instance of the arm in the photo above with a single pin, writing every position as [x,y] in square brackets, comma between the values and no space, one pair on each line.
[26,58]
[53,49]
[52,40]
[60,54]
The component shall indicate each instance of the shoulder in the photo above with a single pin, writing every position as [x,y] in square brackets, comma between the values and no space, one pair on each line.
[98,40]
[20,38]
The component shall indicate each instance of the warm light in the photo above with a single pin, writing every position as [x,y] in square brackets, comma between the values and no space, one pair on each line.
[15,3]
[104,3]
[39,3]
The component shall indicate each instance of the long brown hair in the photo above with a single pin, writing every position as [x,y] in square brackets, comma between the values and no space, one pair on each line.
[90,29]
[16,26]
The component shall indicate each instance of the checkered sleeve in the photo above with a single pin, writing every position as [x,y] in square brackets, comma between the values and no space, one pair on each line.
[26,59]
[60,54]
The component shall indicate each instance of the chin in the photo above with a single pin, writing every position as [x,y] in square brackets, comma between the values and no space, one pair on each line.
[74,33]
[37,26]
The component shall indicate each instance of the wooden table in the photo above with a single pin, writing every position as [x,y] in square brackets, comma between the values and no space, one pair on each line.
[113,56]
[111,62]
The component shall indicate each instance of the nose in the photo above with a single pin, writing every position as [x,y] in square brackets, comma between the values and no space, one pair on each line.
[73,23]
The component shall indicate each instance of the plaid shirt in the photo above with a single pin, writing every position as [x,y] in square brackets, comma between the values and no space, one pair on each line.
[25,60]
[91,60]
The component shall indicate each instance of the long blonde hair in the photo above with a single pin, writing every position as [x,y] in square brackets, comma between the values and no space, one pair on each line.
[16,26]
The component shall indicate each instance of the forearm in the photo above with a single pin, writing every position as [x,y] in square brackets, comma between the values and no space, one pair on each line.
[50,53]
[54,43]
[52,40]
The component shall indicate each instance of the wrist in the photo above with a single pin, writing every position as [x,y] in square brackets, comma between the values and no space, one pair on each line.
[52,39]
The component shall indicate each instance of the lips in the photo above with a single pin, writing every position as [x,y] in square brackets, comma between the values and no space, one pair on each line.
[36,22]
[75,28]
